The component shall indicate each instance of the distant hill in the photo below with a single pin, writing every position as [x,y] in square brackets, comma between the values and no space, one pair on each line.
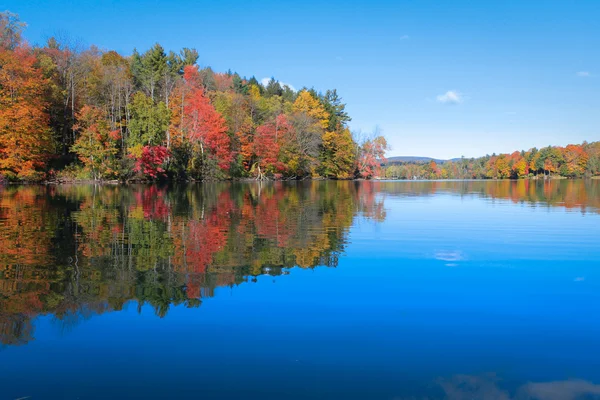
[416,159]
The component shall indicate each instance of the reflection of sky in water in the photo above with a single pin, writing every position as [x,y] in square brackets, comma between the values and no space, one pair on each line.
[392,320]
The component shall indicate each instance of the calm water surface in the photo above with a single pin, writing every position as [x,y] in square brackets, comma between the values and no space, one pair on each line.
[311,290]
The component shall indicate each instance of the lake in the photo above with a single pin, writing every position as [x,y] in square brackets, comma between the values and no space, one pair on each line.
[301,290]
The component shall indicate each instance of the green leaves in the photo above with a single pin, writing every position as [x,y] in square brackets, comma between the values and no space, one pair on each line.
[149,121]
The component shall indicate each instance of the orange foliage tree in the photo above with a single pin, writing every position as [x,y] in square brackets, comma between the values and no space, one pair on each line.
[25,139]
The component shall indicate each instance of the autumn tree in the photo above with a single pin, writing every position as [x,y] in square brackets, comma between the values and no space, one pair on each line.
[338,157]
[576,160]
[371,156]
[118,88]
[25,139]
[301,144]
[311,106]
[205,127]
[97,144]
[11,29]
[265,148]
[150,163]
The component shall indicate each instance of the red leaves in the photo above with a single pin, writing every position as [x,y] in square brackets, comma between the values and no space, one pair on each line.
[265,146]
[153,203]
[151,161]
[191,76]
[205,126]
[371,157]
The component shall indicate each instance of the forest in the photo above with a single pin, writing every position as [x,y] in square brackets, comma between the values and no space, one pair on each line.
[572,161]
[75,113]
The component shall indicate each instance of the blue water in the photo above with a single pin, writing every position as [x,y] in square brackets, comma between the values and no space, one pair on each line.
[447,295]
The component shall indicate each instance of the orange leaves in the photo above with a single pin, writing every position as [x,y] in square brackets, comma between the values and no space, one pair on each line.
[520,168]
[25,139]
[115,135]
[576,160]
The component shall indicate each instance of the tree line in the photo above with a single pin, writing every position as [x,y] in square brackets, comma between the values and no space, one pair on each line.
[572,161]
[74,112]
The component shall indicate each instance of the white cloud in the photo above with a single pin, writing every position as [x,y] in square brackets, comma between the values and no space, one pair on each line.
[404,37]
[584,74]
[265,82]
[450,97]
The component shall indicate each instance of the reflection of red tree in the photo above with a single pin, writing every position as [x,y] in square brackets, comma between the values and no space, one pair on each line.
[270,222]
[208,235]
[153,202]
[194,286]
[370,206]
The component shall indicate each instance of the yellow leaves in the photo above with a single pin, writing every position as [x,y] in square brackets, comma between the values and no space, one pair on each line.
[306,103]
[254,92]
[338,154]
[136,213]
[520,167]
[136,151]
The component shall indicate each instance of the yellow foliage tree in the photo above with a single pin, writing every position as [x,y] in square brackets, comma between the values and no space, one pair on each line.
[312,107]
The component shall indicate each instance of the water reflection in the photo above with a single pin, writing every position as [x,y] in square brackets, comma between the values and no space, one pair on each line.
[578,194]
[467,387]
[77,251]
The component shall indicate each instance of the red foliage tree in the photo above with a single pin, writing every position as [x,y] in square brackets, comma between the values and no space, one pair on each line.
[371,156]
[265,148]
[151,161]
[205,126]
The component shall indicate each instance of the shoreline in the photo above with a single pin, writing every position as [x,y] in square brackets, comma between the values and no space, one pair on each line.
[115,182]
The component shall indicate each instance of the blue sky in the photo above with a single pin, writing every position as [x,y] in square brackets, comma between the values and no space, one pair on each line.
[440,78]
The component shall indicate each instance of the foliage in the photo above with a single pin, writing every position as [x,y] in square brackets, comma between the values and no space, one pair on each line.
[149,121]
[572,161]
[338,155]
[150,162]
[25,138]
[97,145]
[66,103]
[311,106]
[372,155]
[206,128]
